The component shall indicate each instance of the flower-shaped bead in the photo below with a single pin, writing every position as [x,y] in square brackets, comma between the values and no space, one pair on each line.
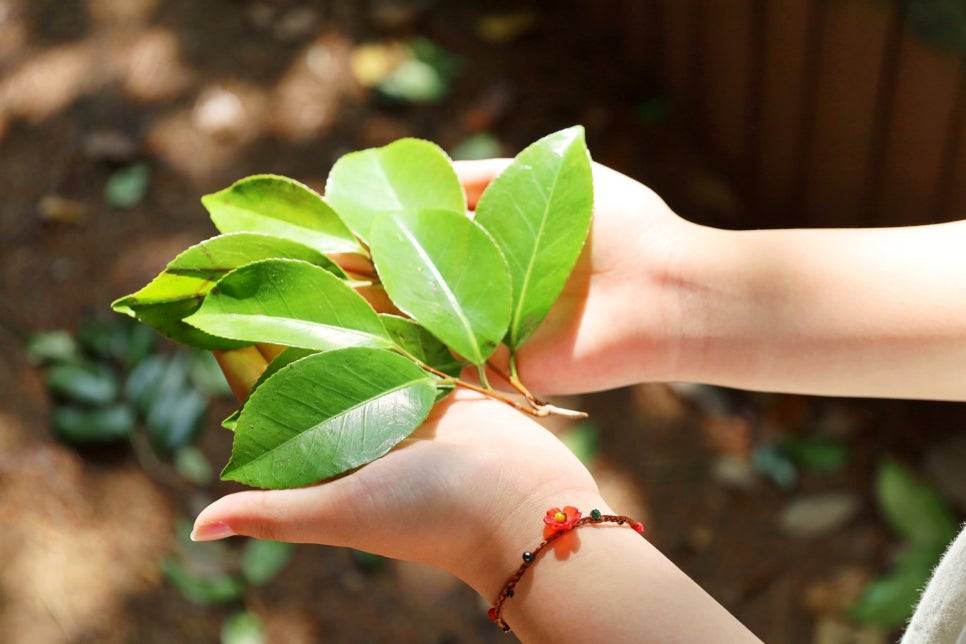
[561,519]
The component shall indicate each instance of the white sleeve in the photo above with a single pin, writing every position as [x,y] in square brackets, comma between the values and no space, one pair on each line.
[940,617]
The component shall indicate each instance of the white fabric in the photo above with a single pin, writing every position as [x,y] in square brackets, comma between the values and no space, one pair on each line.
[940,617]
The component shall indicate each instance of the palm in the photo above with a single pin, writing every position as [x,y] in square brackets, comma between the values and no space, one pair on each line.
[588,333]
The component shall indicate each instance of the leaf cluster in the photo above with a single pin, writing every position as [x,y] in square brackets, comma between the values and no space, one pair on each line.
[290,267]
[111,384]
[926,525]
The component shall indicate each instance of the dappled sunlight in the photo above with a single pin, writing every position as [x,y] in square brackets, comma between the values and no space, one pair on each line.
[307,99]
[152,69]
[46,83]
[77,543]
[121,13]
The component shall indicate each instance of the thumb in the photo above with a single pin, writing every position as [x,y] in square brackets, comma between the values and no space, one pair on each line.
[303,515]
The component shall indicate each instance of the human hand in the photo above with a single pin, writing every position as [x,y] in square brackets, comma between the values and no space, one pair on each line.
[615,322]
[464,493]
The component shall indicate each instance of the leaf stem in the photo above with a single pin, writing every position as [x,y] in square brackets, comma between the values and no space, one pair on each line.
[541,410]
[514,382]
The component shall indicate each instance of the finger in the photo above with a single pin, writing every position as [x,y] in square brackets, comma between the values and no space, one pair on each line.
[477,175]
[300,515]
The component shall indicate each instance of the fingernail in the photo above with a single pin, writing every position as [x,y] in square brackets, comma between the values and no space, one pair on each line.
[211,531]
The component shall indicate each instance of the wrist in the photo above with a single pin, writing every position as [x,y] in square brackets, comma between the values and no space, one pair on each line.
[499,549]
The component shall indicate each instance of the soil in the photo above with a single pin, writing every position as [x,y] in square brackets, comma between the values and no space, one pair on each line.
[207,92]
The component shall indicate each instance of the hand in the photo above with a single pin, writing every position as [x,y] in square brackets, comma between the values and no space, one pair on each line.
[615,321]
[466,493]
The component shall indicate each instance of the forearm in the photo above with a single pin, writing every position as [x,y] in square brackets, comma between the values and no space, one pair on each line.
[610,586]
[874,312]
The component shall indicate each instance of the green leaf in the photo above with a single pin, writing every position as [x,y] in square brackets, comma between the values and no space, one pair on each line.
[243,628]
[291,303]
[88,383]
[913,509]
[45,347]
[281,207]
[193,466]
[408,174]
[127,186]
[262,560]
[178,291]
[176,418]
[89,426]
[203,589]
[327,414]
[816,453]
[421,344]
[889,601]
[445,272]
[538,210]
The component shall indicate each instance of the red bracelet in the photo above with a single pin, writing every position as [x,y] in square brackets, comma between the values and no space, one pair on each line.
[557,522]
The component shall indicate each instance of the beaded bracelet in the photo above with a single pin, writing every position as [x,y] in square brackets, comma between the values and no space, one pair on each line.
[557,522]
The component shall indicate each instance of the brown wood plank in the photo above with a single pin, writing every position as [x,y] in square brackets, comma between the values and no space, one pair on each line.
[677,68]
[922,110]
[781,111]
[842,148]
[726,46]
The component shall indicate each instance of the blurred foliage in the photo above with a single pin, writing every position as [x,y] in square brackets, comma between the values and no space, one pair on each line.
[416,71]
[127,186]
[583,440]
[110,384]
[782,461]
[926,525]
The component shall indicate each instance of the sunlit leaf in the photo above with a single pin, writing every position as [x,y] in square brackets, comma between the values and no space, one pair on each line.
[291,303]
[327,414]
[178,291]
[243,628]
[538,210]
[912,508]
[446,273]
[408,174]
[281,207]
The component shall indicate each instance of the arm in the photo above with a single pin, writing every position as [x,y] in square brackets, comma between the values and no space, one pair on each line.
[873,312]
[847,312]
[467,493]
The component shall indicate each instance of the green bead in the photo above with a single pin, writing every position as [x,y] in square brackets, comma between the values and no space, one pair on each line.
[595,515]
[528,557]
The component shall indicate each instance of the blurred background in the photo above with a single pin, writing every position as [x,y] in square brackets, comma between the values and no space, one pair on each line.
[812,519]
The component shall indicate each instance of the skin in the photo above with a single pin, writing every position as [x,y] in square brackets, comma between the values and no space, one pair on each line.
[653,298]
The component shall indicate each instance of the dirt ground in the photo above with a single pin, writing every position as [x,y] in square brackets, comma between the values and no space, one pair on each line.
[208,92]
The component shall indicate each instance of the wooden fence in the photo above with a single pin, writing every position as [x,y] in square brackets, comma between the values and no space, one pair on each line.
[827,112]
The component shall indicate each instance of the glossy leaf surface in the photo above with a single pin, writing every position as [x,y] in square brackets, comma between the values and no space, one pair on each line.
[446,273]
[291,303]
[408,174]
[177,292]
[327,414]
[281,207]
[538,210]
